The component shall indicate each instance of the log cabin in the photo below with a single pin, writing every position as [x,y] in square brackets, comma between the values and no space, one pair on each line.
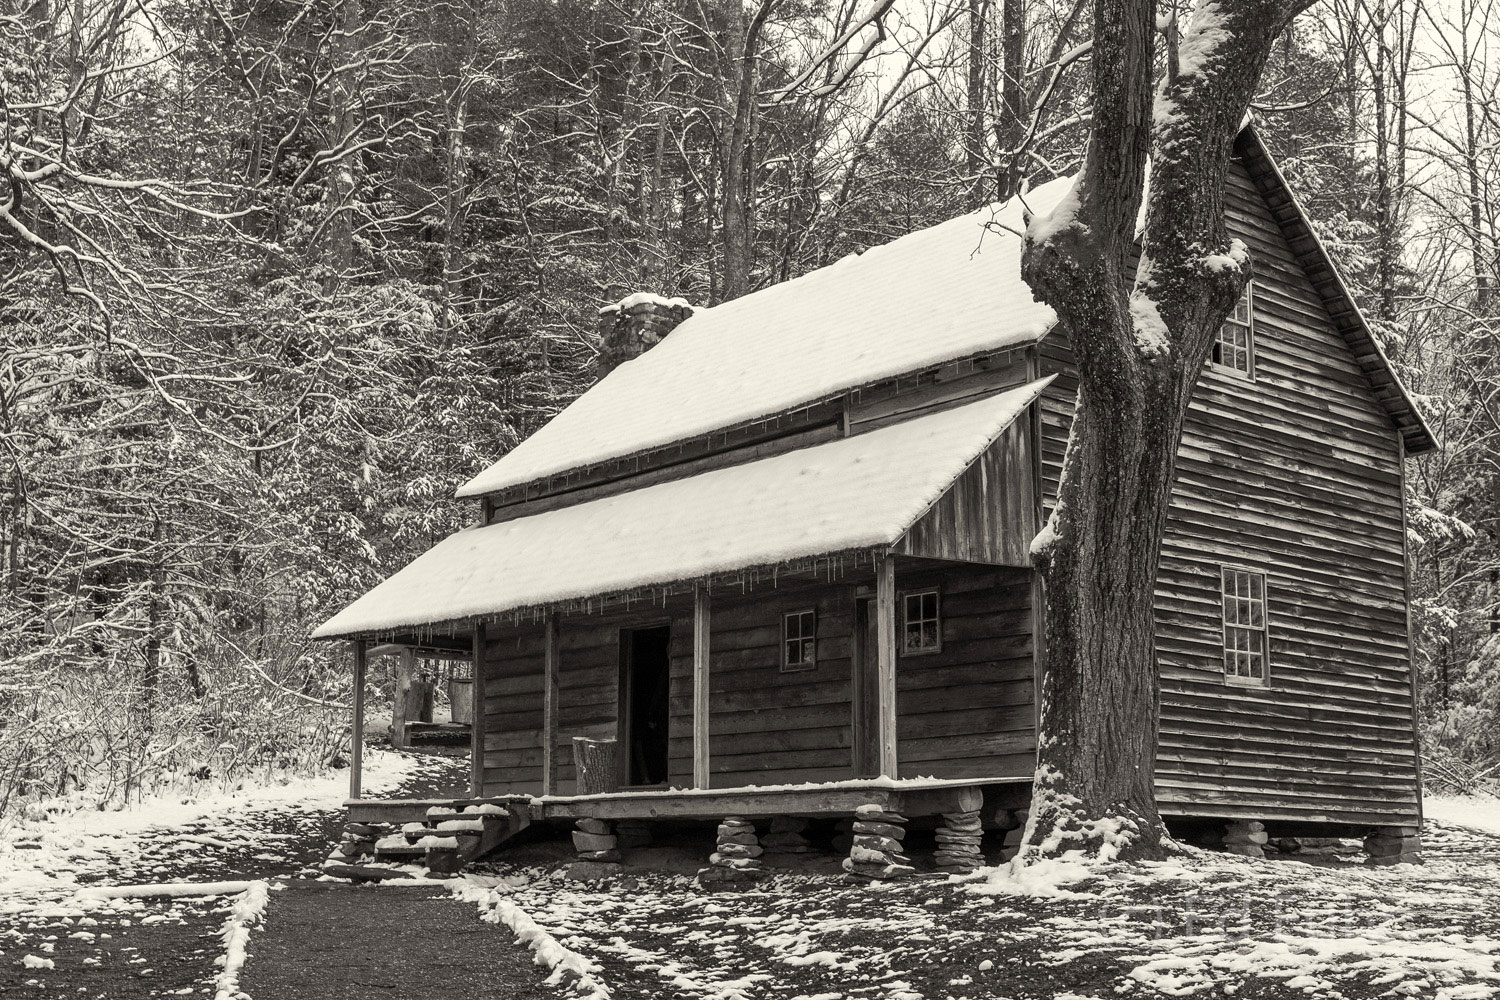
[776,558]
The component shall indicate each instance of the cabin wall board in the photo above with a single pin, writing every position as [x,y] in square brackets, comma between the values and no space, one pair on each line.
[964,712]
[967,711]
[1297,475]
[768,725]
[989,514]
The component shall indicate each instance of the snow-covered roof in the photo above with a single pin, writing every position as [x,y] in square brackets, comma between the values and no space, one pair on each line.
[948,292]
[859,493]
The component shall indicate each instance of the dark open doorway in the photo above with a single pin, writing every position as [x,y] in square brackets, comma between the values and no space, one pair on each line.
[646,689]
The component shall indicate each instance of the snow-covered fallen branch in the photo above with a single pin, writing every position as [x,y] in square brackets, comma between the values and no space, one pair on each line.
[566,965]
[165,889]
[245,914]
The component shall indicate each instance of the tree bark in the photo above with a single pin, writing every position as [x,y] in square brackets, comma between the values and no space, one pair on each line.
[1140,340]
[737,229]
[978,165]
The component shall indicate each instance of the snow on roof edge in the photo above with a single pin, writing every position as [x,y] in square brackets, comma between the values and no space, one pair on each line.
[835,514]
[466,491]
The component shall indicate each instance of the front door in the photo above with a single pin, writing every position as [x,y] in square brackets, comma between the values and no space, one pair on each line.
[646,689]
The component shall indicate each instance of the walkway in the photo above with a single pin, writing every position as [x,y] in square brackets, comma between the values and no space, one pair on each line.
[336,941]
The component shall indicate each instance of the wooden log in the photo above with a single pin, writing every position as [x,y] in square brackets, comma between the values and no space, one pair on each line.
[550,666]
[477,730]
[598,765]
[701,635]
[461,700]
[401,696]
[885,685]
[357,736]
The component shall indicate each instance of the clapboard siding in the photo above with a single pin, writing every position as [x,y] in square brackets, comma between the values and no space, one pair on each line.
[968,711]
[989,514]
[513,709]
[768,725]
[1295,475]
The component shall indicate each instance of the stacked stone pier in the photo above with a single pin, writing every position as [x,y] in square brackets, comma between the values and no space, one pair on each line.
[594,841]
[736,857]
[1394,845]
[1247,838]
[876,851]
[958,842]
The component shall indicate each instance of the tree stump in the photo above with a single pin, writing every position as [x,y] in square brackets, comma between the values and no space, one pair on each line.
[598,765]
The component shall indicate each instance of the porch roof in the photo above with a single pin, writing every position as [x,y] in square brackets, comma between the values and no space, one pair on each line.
[853,494]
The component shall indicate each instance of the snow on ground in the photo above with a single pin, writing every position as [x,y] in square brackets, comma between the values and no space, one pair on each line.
[1201,925]
[96,900]
[1477,812]
[52,858]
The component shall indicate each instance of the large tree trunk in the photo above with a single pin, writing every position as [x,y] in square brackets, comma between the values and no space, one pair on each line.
[1140,340]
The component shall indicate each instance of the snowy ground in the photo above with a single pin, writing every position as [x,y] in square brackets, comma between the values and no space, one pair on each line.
[61,925]
[1204,925]
[1475,812]
[1207,925]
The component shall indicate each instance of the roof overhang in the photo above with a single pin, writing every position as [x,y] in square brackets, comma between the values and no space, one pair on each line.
[853,496]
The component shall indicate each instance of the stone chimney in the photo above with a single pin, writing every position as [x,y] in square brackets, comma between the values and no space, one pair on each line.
[633,326]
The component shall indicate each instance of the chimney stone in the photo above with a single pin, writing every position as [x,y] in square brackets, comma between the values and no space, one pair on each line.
[633,325]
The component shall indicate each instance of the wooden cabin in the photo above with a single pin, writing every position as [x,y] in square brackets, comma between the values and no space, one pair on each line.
[786,544]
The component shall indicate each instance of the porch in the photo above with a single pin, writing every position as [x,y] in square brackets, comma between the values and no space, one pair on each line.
[919,797]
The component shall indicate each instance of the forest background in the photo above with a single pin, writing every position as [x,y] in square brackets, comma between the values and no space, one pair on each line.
[277,275]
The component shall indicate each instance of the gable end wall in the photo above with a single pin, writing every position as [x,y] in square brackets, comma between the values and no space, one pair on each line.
[1297,475]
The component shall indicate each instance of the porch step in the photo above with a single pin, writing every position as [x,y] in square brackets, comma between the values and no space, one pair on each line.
[451,835]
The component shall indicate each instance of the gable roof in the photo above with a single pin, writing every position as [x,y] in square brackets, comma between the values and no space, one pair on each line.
[1324,274]
[852,495]
[941,294]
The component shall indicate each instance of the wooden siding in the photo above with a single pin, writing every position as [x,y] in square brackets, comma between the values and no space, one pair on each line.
[767,725]
[967,711]
[1295,475]
[964,712]
[989,514]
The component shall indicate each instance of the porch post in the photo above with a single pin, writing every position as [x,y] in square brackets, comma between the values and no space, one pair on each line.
[357,736]
[700,686]
[476,724]
[550,667]
[885,680]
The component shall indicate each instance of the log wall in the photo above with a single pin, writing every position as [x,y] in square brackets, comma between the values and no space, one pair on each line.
[1297,475]
[968,710]
[964,712]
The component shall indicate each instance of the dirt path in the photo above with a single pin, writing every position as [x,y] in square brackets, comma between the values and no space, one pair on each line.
[334,941]
[133,949]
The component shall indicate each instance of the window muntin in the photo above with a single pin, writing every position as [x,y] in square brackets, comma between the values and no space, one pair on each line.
[1243,596]
[799,640]
[921,624]
[1234,348]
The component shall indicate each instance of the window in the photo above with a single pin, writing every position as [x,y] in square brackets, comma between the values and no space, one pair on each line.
[1245,636]
[799,640]
[921,631]
[1234,350]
